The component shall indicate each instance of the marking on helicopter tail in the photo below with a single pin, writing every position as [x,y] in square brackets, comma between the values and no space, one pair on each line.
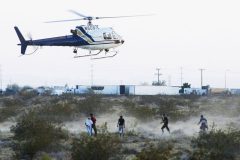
[83,36]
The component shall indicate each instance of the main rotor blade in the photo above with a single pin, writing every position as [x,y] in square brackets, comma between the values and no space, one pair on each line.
[93,18]
[67,20]
[77,13]
[125,16]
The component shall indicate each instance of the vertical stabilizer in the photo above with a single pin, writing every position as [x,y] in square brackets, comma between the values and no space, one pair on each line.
[24,43]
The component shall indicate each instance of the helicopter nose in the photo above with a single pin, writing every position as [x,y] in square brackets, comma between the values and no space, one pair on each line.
[122,41]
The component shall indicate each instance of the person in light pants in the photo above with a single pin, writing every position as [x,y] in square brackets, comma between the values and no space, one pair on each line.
[88,124]
[121,125]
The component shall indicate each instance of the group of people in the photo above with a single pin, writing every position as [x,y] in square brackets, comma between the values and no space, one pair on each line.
[202,122]
[90,124]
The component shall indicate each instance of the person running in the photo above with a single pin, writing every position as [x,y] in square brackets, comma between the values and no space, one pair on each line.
[94,124]
[203,122]
[121,125]
[165,123]
[88,124]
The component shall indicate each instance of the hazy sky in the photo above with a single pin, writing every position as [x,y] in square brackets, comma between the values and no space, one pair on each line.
[188,33]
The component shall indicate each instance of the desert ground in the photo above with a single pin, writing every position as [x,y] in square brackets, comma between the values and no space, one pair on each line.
[46,127]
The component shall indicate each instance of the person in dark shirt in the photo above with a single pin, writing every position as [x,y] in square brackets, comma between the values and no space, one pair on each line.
[203,122]
[165,123]
[94,124]
[121,125]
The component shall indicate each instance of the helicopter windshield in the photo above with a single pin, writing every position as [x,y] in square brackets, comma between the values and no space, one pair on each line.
[114,35]
[109,36]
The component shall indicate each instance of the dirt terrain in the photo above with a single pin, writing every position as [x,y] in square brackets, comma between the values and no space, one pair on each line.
[142,116]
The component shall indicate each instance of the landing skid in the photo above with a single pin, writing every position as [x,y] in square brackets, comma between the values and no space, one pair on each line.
[105,56]
[93,56]
[88,55]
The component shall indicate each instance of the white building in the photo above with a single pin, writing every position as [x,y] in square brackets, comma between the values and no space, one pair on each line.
[235,91]
[59,90]
[127,90]
[155,90]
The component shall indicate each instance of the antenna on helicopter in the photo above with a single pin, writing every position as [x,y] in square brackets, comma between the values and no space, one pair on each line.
[90,18]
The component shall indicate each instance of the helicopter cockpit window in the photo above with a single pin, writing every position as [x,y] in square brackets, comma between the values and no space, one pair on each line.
[105,36]
[109,36]
[114,35]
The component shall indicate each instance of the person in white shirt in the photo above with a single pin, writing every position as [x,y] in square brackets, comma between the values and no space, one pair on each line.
[88,124]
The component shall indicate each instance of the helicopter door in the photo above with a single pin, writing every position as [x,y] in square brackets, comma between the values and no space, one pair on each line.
[122,89]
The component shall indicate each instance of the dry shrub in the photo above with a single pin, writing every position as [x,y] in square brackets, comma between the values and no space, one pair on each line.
[216,145]
[102,147]
[152,152]
[33,133]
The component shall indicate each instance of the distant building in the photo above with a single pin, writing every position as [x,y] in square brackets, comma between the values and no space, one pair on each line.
[218,91]
[59,90]
[155,90]
[195,91]
[234,91]
[106,89]
[127,90]
[43,90]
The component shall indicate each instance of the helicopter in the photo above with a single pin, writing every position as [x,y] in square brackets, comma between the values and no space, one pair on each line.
[89,37]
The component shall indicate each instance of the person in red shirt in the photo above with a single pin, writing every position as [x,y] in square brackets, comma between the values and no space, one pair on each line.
[94,124]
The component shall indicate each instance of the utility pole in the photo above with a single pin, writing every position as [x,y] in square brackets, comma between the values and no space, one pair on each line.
[91,74]
[1,77]
[201,69]
[181,76]
[158,74]
[169,80]
[225,78]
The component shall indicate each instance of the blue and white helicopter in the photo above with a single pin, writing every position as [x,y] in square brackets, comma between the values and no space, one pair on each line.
[90,37]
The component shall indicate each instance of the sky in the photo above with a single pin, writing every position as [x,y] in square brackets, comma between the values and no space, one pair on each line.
[182,33]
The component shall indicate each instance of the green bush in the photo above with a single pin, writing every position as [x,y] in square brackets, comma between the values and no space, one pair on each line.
[12,101]
[10,107]
[150,107]
[102,147]
[161,100]
[7,112]
[27,93]
[91,104]
[46,157]
[34,134]
[66,107]
[216,145]
[57,112]
[159,152]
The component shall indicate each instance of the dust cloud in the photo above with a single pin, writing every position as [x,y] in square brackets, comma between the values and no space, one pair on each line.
[152,129]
